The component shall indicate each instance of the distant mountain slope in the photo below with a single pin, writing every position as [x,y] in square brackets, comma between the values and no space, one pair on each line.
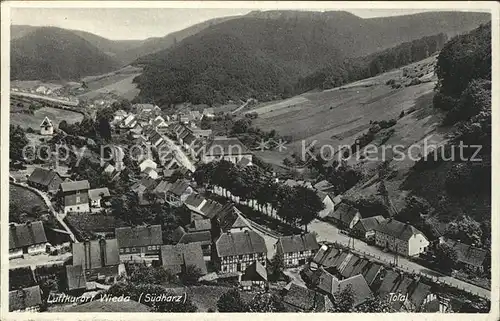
[294,42]
[54,53]
[151,45]
[114,48]
[19,31]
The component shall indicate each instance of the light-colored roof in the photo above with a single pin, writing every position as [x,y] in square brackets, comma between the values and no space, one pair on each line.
[98,193]
[75,186]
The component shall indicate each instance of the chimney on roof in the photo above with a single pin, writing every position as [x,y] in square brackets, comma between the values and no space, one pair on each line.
[28,224]
[12,226]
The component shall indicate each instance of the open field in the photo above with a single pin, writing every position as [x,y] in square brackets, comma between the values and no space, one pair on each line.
[337,116]
[34,120]
[117,83]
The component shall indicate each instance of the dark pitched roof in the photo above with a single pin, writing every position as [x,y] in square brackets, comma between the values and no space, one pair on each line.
[193,201]
[403,287]
[326,255]
[176,257]
[371,273]
[84,223]
[203,237]
[255,272]
[42,176]
[297,243]
[360,288]
[323,185]
[96,253]
[224,146]
[46,122]
[76,277]
[211,209]
[239,243]
[349,267]
[419,294]
[98,193]
[178,187]
[76,199]
[389,283]
[25,298]
[468,254]
[397,229]
[75,186]
[22,235]
[230,217]
[369,223]
[139,236]
[109,306]
[344,213]
[326,281]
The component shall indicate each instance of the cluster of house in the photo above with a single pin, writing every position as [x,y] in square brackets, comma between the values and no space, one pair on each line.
[333,269]
[74,196]
[150,131]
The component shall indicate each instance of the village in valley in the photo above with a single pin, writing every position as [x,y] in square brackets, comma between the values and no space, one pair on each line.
[103,230]
[132,205]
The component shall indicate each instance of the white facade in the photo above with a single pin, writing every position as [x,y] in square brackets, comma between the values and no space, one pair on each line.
[415,245]
[297,258]
[148,163]
[32,250]
[329,207]
[81,208]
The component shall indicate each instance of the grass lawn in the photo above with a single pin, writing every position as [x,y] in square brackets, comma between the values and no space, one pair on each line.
[54,114]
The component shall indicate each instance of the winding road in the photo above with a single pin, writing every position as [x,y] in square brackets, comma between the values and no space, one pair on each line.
[50,207]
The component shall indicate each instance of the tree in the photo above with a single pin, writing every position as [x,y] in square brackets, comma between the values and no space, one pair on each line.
[266,302]
[343,300]
[275,268]
[18,141]
[446,256]
[190,275]
[307,205]
[231,302]
[149,275]
[467,230]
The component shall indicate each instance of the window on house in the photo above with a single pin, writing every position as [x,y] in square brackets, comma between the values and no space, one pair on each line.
[301,252]
[127,250]
[78,199]
[240,257]
[133,249]
[121,250]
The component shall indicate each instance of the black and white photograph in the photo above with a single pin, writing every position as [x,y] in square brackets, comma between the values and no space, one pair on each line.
[256,158]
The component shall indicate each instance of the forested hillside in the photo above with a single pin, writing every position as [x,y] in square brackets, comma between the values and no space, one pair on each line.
[354,69]
[53,53]
[294,45]
[459,187]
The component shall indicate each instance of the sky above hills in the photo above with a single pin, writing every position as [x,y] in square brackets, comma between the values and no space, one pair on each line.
[141,23]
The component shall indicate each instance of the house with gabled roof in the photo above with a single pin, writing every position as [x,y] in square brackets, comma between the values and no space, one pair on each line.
[329,201]
[46,127]
[237,250]
[365,227]
[204,238]
[176,258]
[208,112]
[45,180]
[178,192]
[473,258]
[344,216]
[97,195]
[254,277]
[25,300]
[99,260]
[75,196]
[297,249]
[139,240]
[26,239]
[401,238]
